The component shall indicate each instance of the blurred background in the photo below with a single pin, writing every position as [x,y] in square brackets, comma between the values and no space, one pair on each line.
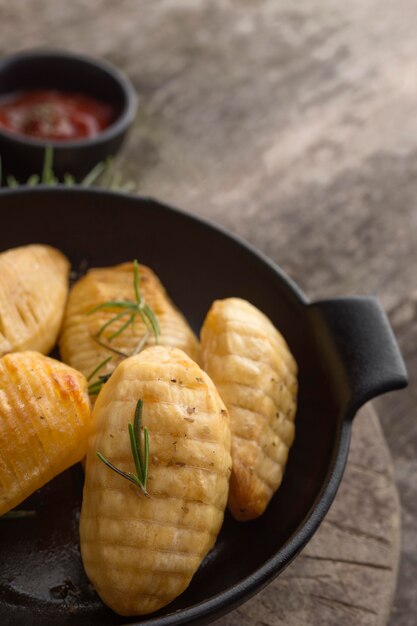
[293,124]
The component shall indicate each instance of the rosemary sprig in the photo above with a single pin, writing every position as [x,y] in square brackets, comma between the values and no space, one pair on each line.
[48,176]
[142,343]
[126,308]
[104,174]
[95,387]
[130,308]
[111,348]
[140,456]
[99,367]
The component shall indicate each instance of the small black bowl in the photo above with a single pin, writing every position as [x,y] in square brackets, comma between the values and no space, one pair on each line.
[44,69]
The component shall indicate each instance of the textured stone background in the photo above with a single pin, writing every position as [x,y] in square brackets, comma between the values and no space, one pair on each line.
[293,124]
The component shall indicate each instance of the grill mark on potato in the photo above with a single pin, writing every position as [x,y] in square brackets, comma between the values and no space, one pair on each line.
[155,522]
[14,396]
[229,326]
[145,548]
[165,496]
[271,432]
[288,372]
[262,392]
[259,445]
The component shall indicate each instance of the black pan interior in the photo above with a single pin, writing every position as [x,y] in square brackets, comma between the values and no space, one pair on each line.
[41,576]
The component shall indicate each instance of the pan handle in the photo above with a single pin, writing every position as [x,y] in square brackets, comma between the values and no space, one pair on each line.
[369,361]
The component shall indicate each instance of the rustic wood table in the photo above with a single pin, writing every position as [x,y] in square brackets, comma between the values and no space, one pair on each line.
[295,126]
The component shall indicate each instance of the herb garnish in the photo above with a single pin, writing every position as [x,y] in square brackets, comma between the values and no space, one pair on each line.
[95,387]
[141,459]
[130,308]
[126,308]
[104,174]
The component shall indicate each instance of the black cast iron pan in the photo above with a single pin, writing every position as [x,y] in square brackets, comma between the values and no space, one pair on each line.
[346,353]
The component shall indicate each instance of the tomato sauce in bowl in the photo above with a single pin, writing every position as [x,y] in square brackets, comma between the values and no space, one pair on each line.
[54,115]
[80,106]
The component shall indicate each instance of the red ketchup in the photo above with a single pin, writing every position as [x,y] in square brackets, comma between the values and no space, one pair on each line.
[55,115]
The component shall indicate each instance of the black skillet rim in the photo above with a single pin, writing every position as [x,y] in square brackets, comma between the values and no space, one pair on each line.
[208,610]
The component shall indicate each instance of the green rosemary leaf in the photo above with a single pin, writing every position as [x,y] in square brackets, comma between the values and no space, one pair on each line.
[136,426]
[122,327]
[109,347]
[136,281]
[108,172]
[129,186]
[116,469]
[141,463]
[99,367]
[116,182]
[95,388]
[112,304]
[33,180]
[146,320]
[135,454]
[94,174]
[47,172]
[12,182]
[153,320]
[69,179]
[146,456]
[137,421]
[142,343]
[111,321]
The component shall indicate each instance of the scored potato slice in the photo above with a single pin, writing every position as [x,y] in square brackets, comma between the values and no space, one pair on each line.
[141,552]
[33,292]
[77,344]
[44,422]
[256,376]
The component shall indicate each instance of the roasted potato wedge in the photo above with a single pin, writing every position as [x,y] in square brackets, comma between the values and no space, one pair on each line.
[256,376]
[77,343]
[33,292]
[44,421]
[141,552]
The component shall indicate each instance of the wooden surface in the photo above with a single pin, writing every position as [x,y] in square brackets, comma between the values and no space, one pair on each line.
[295,126]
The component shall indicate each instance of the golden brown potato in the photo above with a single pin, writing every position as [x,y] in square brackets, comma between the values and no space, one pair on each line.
[255,374]
[141,552]
[77,344]
[33,292]
[44,422]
